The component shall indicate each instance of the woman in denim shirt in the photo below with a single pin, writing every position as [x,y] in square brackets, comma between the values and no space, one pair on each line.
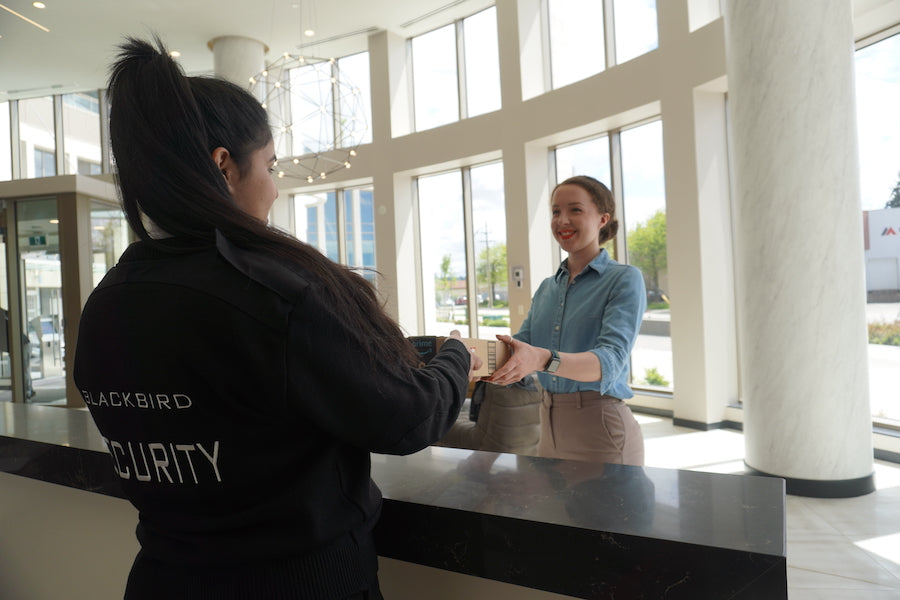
[579,334]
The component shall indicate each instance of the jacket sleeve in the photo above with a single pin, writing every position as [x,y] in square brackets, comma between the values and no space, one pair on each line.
[375,404]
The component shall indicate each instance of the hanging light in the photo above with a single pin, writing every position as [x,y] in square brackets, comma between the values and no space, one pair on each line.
[317,116]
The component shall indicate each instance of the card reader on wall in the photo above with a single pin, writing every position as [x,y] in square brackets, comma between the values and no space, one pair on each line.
[518,276]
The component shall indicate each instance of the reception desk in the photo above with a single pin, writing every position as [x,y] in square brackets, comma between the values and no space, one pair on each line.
[552,528]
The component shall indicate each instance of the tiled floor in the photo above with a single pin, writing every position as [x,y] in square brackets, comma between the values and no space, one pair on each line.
[837,549]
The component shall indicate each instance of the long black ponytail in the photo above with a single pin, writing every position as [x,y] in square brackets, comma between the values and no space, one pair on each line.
[163,129]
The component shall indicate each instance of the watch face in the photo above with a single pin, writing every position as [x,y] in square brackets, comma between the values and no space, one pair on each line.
[553,364]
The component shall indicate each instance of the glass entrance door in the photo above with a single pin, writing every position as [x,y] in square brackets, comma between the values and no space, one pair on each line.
[40,280]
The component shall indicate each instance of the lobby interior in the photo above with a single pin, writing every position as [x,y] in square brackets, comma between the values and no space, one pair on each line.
[727,376]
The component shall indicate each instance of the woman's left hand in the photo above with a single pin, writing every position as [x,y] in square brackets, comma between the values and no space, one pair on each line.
[525,359]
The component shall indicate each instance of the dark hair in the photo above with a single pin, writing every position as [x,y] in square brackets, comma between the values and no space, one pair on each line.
[163,129]
[602,198]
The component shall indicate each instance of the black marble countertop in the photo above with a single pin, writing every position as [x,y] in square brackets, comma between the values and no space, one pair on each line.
[579,529]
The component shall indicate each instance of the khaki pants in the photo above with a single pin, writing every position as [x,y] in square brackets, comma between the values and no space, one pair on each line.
[591,427]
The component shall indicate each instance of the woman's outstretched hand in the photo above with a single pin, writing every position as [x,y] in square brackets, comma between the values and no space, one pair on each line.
[525,359]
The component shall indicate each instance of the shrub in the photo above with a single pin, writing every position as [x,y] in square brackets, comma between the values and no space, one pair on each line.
[495,321]
[653,377]
[885,333]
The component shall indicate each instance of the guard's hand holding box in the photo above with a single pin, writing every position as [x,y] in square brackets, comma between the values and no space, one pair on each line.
[493,353]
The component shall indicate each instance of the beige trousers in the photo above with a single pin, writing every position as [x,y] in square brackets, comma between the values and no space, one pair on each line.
[590,426]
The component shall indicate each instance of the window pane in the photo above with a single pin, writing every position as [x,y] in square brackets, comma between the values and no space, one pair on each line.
[356,99]
[435,82]
[489,228]
[643,189]
[109,237]
[482,63]
[442,235]
[359,230]
[37,137]
[877,98]
[5,144]
[635,22]
[316,222]
[81,130]
[312,109]
[584,158]
[576,40]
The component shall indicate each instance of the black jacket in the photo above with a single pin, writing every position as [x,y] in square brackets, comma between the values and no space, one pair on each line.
[240,411]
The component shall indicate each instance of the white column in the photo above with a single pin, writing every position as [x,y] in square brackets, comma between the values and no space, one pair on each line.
[798,244]
[237,58]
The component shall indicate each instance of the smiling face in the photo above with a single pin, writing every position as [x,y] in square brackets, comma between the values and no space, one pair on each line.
[576,221]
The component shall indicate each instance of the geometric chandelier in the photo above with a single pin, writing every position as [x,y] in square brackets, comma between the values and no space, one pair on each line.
[317,115]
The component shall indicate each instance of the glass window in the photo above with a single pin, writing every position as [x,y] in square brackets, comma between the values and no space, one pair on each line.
[312,108]
[584,158]
[482,63]
[36,133]
[316,222]
[356,99]
[5,143]
[81,131]
[644,221]
[44,163]
[435,79]
[359,229]
[109,237]
[576,40]
[877,98]
[635,22]
[489,231]
[443,251]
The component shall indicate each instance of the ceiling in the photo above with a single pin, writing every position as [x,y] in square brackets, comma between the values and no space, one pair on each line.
[81,43]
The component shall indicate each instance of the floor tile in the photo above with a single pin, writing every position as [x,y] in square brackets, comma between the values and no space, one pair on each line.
[836,562]
[837,548]
[803,523]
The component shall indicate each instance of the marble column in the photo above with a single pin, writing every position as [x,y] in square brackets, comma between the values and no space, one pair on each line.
[237,58]
[798,244]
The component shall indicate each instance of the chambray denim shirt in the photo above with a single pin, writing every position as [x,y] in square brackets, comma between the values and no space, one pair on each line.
[600,311]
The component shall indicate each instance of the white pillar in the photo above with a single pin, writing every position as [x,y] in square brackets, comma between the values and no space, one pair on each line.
[798,244]
[237,58]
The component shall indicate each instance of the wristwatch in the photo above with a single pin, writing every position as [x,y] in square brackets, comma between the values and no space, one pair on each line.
[552,364]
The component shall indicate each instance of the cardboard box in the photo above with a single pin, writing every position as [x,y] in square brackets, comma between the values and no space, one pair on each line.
[493,353]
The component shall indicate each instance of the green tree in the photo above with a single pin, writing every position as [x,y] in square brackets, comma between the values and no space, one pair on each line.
[894,202]
[491,268]
[445,278]
[647,247]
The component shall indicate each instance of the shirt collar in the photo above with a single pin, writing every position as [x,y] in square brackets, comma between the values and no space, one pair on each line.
[599,263]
